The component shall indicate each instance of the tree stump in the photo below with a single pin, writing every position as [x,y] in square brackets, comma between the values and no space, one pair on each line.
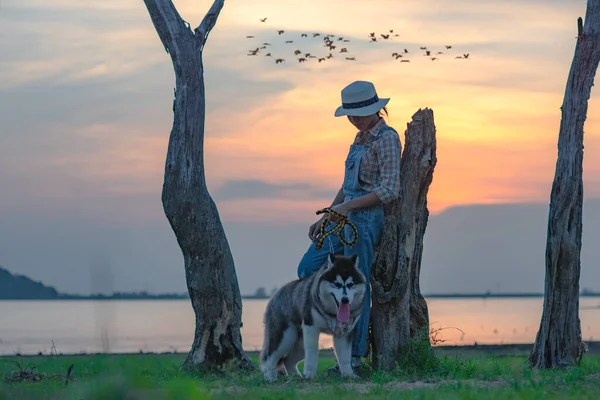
[193,216]
[558,341]
[399,310]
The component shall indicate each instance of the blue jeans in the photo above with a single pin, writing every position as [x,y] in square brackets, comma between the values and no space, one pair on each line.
[369,224]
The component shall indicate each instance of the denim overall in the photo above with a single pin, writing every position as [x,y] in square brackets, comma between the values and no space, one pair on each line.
[369,224]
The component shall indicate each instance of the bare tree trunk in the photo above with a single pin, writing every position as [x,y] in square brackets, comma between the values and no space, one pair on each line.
[419,312]
[558,342]
[193,216]
[398,304]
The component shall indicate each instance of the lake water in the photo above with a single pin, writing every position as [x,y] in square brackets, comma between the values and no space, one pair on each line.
[30,327]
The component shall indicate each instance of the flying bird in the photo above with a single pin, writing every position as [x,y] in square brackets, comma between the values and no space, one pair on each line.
[330,40]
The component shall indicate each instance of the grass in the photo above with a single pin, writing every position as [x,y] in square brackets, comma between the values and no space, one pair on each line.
[157,376]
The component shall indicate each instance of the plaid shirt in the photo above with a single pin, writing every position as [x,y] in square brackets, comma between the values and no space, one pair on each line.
[380,165]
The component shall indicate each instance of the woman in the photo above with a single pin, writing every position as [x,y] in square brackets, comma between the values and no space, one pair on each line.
[371,179]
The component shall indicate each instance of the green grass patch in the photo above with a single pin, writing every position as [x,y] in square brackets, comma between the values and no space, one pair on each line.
[421,376]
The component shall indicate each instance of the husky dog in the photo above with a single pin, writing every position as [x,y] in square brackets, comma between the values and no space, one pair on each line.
[329,301]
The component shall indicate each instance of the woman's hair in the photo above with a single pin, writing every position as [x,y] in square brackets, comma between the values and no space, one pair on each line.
[381,113]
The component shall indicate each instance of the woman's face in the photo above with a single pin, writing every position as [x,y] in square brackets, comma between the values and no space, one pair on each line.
[363,123]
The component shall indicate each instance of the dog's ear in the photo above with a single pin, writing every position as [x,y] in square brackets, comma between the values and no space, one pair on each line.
[330,260]
[354,259]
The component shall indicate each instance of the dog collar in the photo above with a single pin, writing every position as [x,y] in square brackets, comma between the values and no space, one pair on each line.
[340,328]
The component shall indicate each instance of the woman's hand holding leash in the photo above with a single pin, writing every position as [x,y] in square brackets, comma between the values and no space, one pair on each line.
[338,211]
[339,227]
[313,231]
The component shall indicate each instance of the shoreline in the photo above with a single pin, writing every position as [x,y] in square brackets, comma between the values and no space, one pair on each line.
[474,350]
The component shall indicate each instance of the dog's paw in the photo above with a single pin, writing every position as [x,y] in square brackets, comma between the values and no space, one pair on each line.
[350,375]
[309,374]
[270,376]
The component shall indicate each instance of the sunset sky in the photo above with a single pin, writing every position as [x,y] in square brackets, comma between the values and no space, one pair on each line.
[86,109]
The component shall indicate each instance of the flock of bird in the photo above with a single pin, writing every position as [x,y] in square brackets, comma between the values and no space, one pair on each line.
[335,44]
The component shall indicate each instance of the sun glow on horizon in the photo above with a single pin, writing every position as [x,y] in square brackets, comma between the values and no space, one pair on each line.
[497,113]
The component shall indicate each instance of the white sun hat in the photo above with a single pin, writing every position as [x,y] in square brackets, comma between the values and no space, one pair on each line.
[360,99]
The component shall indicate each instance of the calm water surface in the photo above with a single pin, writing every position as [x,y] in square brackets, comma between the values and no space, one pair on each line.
[30,327]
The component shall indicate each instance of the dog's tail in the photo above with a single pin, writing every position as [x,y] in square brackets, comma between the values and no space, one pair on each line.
[265,346]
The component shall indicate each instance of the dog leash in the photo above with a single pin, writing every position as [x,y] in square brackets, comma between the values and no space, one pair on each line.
[339,228]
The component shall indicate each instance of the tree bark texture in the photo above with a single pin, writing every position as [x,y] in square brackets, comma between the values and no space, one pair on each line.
[558,341]
[398,308]
[419,312]
[209,268]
